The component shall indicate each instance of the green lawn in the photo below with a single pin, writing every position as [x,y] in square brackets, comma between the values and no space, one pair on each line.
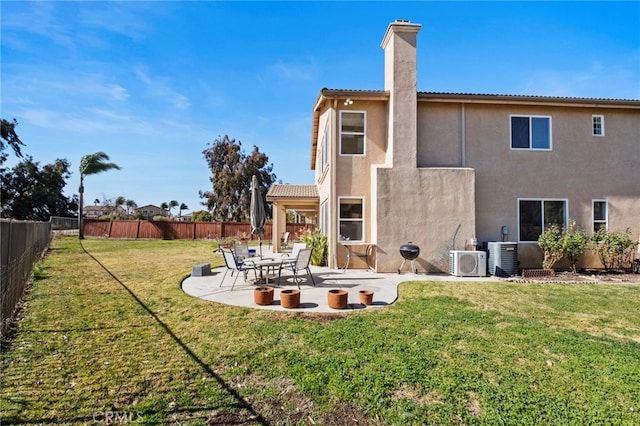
[108,335]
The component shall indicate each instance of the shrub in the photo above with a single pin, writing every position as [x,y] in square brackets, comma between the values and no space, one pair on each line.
[318,242]
[574,243]
[201,216]
[557,242]
[615,249]
[550,241]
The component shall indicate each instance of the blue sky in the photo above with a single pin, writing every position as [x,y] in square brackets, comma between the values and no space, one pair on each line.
[152,83]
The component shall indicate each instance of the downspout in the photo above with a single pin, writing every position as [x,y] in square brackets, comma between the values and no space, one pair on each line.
[463,136]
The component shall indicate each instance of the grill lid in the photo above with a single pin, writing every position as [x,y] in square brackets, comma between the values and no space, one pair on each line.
[409,251]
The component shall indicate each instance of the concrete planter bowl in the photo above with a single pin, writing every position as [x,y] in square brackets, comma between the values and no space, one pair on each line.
[263,295]
[290,298]
[337,299]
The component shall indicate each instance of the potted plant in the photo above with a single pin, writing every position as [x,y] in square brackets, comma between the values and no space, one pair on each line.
[226,242]
[290,298]
[337,298]
[263,295]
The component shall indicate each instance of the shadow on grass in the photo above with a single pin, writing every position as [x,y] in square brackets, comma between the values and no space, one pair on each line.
[255,416]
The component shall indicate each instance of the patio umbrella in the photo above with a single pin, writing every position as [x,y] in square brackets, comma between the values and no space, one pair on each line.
[257,214]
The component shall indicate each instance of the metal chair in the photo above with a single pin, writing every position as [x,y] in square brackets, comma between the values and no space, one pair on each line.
[284,241]
[301,264]
[235,264]
[295,250]
[241,251]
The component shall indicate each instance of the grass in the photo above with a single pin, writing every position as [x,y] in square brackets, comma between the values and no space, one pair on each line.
[107,335]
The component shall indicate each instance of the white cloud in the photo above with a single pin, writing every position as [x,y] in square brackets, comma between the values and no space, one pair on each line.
[162,88]
[598,80]
[294,71]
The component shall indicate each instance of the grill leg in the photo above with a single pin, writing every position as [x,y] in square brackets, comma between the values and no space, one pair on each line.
[400,268]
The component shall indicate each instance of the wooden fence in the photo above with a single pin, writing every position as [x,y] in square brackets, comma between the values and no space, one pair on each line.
[171,230]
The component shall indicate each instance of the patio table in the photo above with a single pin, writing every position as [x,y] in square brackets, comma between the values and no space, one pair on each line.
[266,263]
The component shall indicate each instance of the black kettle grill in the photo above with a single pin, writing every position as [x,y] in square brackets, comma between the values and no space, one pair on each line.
[409,252]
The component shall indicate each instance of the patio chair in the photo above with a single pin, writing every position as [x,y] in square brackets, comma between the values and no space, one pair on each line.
[301,264]
[284,241]
[295,250]
[234,264]
[241,251]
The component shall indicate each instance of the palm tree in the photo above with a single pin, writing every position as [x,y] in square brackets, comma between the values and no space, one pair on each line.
[90,165]
[119,202]
[96,202]
[172,204]
[131,205]
[183,206]
[164,206]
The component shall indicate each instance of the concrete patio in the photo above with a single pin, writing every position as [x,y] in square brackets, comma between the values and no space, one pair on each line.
[312,298]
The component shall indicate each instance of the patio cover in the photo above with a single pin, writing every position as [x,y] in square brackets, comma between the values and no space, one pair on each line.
[290,197]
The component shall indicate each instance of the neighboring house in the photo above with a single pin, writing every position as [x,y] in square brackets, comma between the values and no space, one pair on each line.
[96,212]
[447,170]
[149,211]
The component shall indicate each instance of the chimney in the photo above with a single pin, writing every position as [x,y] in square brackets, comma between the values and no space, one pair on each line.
[400,71]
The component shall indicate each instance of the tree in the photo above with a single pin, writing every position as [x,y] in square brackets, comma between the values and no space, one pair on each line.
[32,193]
[201,216]
[120,201]
[131,205]
[8,136]
[165,206]
[231,171]
[172,204]
[89,165]
[183,206]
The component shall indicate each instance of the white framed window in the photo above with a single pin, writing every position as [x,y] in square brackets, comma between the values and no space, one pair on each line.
[325,147]
[597,125]
[534,215]
[324,217]
[352,132]
[600,211]
[530,132]
[351,219]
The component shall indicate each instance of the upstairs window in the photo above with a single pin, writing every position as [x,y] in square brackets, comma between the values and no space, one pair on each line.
[352,135]
[530,132]
[597,125]
[600,215]
[323,155]
[535,215]
[351,219]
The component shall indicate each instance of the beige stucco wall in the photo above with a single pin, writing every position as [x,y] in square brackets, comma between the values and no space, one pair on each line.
[579,168]
[433,208]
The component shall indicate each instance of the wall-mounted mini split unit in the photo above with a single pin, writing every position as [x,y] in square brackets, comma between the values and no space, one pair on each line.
[467,263]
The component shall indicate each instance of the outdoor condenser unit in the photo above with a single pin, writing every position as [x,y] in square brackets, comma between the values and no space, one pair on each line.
[503,258]
[467,263]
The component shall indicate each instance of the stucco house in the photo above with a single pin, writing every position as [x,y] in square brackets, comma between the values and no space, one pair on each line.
[149,211]
[449,171]
[96,212]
